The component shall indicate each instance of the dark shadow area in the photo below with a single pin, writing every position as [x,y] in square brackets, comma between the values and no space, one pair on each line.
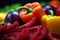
[9,2]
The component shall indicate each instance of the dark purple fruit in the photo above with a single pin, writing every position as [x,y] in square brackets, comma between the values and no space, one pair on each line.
[12,17]
[48,9]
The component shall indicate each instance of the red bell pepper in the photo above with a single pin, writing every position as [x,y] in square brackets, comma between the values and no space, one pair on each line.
[29,24]
[54,3]
[12,27]
[58,11]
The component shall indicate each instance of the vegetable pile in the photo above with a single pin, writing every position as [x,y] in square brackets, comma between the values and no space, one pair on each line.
[30,22]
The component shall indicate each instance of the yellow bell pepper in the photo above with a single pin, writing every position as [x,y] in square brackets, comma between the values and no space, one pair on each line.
[2,16]
[51,22]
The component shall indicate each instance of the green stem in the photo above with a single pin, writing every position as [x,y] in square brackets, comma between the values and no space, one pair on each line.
[23,7]
[31,8]
[2,23]
[51,12]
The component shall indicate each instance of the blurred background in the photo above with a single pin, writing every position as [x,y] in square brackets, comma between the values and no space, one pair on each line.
[9,2]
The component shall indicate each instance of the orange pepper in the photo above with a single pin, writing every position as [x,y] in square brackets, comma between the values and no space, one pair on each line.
[35,4]
[27,17]
[28,5]
[38,12]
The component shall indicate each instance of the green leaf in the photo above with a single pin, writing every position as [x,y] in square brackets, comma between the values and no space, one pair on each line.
[43,3]
[11,7]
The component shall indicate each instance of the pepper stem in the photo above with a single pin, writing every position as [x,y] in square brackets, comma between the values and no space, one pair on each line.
[2,23]
[51,12]
[23,7]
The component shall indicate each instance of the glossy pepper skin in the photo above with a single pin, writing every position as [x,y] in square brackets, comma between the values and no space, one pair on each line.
[28,16]
[38,12]
[25,16]
[51,22]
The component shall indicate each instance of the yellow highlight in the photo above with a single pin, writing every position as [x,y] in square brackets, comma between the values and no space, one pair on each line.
[2,16]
